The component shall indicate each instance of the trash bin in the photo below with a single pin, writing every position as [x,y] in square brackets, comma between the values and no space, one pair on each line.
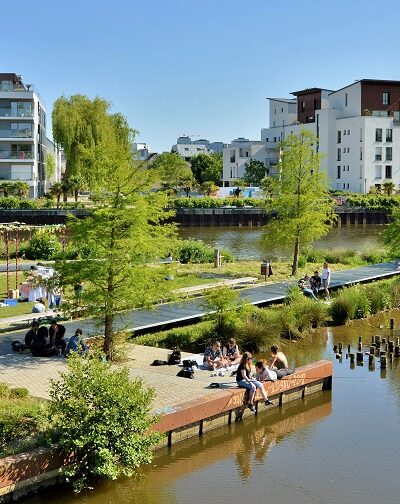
[265,269]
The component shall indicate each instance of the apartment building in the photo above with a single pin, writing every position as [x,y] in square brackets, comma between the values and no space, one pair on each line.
[187,148]
[22,134]
[358,127]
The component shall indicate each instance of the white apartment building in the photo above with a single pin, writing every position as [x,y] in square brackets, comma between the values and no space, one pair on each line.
[141,151]
[22,134]
[358,128]
[187,148]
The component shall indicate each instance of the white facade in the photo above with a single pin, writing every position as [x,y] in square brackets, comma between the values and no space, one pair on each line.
[187,148]
[22,134]
[360,148]
[141,151]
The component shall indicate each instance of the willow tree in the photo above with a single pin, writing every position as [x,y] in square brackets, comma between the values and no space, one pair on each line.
[298,199]
[391,234]
[123,235]
[80,125]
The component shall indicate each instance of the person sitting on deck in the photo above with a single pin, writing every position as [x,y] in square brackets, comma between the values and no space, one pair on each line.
[244,380]
[304,284]
[213,358]
[76,344]
[31,333]
[231,353]
[39,345]
[278,359]
[56,333]
[263,373]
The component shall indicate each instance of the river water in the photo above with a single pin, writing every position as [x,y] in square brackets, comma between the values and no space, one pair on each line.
[340,446]
[245,242]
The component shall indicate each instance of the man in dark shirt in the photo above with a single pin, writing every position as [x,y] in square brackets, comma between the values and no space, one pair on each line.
[56,334]
[315,282]
[31,333]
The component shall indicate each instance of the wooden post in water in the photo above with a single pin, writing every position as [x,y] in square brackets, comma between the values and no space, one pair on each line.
[377,352]
[371,360]
[348,348]
[390,358]
[383,341]
[360,357]
[340,347]
[352,358]
[378,341]
[335,348]
[391,346]
[359,346]
[391,324]
[373,340]
[372,350]
[397,348]
[383,360]
[387,347]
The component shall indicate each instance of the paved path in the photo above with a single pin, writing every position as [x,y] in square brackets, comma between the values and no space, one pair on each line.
[169,314]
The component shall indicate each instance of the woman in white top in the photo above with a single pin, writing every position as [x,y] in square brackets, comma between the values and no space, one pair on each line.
[326,279]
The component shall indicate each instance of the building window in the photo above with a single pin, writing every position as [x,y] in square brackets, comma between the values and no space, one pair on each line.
[386,98]
[388,172]
[388,154]
[389,135]
[344,132]
[282,110]
[378,171]
[378,153]
[360,153]
[303,106]
[361,171]
[348,149]
[345,100]
[348,185]
[360,134]
[274,139]
[378,135]
[344,186]
[338,172]
[233,157]
[339,136]
[339,154]
[348,168]
[344,168]
[348,132]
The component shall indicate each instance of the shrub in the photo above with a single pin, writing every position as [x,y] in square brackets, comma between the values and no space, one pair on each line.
[351,303]
[9,203]
[28,204]
[195,251]
[43,246]
[4,390]
[19,392]
[104,418]
[259,327]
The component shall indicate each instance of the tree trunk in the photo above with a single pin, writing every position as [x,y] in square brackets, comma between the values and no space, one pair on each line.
[58,200]
[76,195]
[296,256]
[109,336]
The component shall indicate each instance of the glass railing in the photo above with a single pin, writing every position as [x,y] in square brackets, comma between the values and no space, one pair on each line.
[26,133]
[9,112]
[15,155]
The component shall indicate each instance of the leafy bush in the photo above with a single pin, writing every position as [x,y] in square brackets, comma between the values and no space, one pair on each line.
[9,203]
[19,392]
[195,251]
[43,246]
[4,390]
[29,204]
[104,418]
[208,202]
[351,303]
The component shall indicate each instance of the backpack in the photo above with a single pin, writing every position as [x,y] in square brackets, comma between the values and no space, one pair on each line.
[158,362]
[186,373]
[175,357]
[17,346]
[189,363]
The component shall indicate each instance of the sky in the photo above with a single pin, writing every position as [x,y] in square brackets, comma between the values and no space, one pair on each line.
[197,67]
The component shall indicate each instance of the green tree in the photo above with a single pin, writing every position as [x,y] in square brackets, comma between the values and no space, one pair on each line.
[103,418]
[207,167]
[50,166]
[6,187]
[74,184]
[173,171]
[14,188]
[391,234]
[254,172]
[209,188]
[56,191]
[389,188]
[81,127]
[301,205]
[124,232]
[223,303]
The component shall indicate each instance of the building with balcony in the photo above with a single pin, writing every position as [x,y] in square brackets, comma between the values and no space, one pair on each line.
[358,128]
[22,134]
[187,148]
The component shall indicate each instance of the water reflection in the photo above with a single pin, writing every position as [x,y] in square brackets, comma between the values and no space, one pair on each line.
[245,243]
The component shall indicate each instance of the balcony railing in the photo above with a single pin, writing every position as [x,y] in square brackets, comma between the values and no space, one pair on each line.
[25,133]
[16,155]
[15,88]
[9,112]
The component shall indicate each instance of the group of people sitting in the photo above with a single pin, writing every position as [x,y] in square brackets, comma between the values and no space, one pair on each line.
[44,342]
[311,285]
[215,358]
